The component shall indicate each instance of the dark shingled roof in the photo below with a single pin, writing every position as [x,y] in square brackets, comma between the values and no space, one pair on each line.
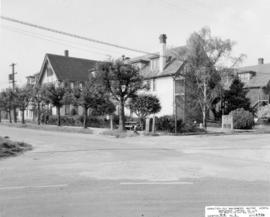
[261,77]
[71,68]
[176,56]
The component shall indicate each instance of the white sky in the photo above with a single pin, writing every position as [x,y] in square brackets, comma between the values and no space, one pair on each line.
[135,24]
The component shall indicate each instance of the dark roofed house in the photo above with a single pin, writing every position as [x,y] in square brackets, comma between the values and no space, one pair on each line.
[56,68]
[255,78]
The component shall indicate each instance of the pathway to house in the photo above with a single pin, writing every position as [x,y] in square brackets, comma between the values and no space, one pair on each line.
[90,175]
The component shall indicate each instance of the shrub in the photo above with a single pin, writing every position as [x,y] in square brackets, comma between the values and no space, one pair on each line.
[264,112]
[77,120]
[167,123]
[242,119]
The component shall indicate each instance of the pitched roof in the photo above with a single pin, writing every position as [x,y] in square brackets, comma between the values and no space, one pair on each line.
[172,67]
[71,68]
[261,77]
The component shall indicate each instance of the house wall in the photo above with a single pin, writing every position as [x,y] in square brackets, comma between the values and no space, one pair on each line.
[48,76]
[163,88]
[256,94]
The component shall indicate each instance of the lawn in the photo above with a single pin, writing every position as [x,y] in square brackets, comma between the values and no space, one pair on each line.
[12,148]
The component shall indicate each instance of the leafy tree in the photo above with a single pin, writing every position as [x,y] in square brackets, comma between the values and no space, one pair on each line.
[266,90]
[38,99]
[55,94]
[2,105]
[205,66]
[23,97]
[8,99]
[122,80]
[144,105]
[236,98]
[92,95]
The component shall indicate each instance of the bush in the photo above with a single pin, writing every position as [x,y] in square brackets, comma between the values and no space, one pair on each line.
[77,120]
[167,123]
[264,112]
[242,119]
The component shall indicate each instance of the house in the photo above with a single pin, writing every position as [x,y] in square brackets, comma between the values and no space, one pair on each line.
[162,70]
[255,78]
[56,69]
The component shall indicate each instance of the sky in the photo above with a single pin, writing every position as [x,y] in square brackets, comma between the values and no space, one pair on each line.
[132,23]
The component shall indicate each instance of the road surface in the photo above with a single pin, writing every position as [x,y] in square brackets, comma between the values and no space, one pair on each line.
[79,175]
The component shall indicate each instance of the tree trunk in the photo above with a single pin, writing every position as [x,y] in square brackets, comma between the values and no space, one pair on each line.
[38,114]
[15,115]
[204,104]
[111,122]
[122,115]
[23,121]
[9,116]
[0,116]
[154,124]
[58,117]
[85,117]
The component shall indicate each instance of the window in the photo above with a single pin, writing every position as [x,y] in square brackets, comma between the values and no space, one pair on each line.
[67,109]
[244,77]
[49,72]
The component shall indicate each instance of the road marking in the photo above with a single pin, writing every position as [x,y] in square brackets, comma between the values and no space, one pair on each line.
[37,186]
[156,183]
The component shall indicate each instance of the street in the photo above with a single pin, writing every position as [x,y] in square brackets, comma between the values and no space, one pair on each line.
[80,175]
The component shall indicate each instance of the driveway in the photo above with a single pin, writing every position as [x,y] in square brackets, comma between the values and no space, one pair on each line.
[90,175]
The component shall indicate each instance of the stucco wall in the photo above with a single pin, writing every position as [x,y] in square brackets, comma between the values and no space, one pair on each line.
[164,90]
[48,79]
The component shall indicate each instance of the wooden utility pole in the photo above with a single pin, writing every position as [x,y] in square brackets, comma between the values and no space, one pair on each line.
[13,81]
[12,75]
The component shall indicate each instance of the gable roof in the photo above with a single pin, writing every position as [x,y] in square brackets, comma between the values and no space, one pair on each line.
[69,68]
[172,67]
[261,76]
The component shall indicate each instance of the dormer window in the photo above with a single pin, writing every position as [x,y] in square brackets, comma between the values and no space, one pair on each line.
[245,76]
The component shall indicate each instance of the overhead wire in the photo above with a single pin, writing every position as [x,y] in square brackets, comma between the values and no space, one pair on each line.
[58,41]
[71,35]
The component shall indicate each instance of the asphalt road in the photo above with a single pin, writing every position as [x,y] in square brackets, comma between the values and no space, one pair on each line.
[78,175]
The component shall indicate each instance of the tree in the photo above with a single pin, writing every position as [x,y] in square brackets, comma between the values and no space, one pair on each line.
[38,99]
[23,97]
[2,105]
[206,59]
[266,90]
[144,105]
[122,80]
[92,95]
[55,94]
[236,98]
[8,99]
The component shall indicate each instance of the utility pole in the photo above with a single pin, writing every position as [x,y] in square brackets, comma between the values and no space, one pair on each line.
[12,75]
[13,81]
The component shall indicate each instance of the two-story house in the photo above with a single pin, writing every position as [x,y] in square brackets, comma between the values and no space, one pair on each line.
[255,78]
[162,70]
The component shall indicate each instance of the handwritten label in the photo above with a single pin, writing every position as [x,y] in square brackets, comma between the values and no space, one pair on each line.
[237,211]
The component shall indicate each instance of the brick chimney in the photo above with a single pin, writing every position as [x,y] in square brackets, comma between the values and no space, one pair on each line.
[260,61]
[162,52]
[66,53]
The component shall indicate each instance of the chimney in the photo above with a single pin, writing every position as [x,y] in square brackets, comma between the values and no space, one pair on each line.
[66,53]
[260,61]
[162,53]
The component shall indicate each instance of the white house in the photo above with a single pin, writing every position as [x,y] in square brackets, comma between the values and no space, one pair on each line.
[163,72]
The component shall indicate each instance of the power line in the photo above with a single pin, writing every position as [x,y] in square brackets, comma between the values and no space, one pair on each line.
[72,35]
[59,41]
